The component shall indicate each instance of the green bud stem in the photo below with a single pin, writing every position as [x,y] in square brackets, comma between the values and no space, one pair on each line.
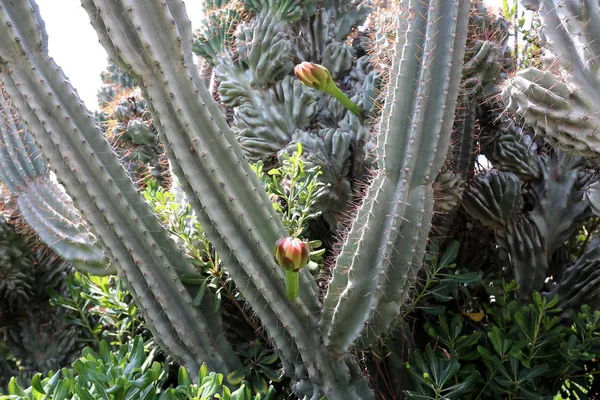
[335,91]
[292,284]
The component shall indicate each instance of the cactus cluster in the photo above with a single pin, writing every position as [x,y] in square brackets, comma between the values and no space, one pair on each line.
[385,173]
[127,123]
[254,46]
[37,337]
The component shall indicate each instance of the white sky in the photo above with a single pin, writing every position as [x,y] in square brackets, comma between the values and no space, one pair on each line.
[74,45]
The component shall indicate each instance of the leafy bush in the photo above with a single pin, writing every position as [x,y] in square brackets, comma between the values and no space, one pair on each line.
[483,343]
[129,373]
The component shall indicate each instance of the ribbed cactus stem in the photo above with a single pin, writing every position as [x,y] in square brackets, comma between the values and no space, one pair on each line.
[384,248]
[133,236]
[42,202]
[230,203]
[563,108]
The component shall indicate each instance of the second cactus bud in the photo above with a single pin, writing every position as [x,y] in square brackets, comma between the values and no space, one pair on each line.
[292,254]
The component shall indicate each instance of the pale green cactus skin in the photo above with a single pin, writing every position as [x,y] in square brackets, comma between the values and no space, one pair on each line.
[77,151]
[385,246]
[563,110]
[41,200]
[149,40]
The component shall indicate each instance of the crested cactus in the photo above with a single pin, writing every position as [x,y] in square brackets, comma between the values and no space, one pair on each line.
[532,212]
[16,269]
[384,247]
[272,110]
[128,127]
[38,336]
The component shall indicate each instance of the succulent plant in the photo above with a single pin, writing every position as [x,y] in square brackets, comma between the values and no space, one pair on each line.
[128,127]
[530,204]
[41,200]
[561,103]
[16,268]
[244,231]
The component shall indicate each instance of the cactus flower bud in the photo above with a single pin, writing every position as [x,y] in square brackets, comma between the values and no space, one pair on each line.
[318,77]
[291,254]
[313,75]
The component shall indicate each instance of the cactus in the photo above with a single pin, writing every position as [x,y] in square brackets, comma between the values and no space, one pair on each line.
[383,250]
[563,109]
[533,217]
[17,280]
[92,175]
[376,267]
[38,336]
[128,126]
[41,200]
[272,111]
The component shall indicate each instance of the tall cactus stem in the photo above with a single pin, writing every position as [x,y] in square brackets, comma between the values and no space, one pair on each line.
[385,246]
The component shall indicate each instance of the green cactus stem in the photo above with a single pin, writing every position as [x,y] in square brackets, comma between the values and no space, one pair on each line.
[45,206]
[564,110]
[384,248]
[228,199]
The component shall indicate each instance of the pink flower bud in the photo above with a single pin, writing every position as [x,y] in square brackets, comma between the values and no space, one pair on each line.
[291,254]
[313,75]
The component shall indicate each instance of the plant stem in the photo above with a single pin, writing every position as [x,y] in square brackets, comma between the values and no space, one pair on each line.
[292,284]
[346,102]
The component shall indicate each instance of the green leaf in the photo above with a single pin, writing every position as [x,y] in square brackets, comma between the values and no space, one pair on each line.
[449,255]
[236,377]
[433,310]
[533,373]
[36,383]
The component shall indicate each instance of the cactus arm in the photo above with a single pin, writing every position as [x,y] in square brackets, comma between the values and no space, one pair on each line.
[572,29]
[385,246]
[564,110]
[131,233]
[43,204]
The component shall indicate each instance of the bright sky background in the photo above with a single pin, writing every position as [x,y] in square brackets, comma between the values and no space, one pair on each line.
[74,45]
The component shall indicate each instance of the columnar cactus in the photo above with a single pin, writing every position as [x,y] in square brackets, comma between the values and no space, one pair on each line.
[383,249]
[81,157]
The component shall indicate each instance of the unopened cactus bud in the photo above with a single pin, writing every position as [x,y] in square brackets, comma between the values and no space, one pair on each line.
[291,253]
[313,75]
[318,77]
